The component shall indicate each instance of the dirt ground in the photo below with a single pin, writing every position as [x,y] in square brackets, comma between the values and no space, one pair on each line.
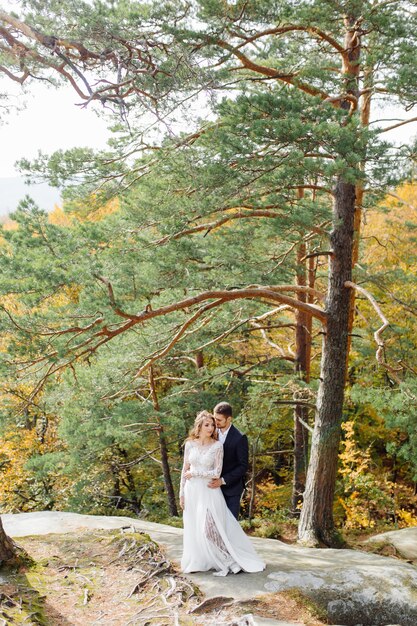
[120,578]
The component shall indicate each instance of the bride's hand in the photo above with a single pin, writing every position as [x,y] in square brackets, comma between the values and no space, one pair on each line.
[182,504]
[215,483]
[188,475]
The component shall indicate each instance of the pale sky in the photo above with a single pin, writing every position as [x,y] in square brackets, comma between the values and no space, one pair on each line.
[51,121]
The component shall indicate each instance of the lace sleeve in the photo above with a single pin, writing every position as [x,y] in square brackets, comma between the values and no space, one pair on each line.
[217,465]
[185,467]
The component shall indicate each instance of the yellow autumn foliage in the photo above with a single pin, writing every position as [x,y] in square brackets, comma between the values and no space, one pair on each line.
[387,249]
[272,497]
[68,294]
[16,446]
[20,490]
[385,237]
[93,212]
[370,497]
[58,217]
[407,518]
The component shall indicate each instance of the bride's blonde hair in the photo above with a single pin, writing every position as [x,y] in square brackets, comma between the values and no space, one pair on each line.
[198,422]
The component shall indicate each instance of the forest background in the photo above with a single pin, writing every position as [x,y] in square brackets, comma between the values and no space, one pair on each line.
[249,235]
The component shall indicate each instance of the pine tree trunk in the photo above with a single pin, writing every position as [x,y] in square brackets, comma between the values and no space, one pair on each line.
[199,359]
[365,116]
[300,459]
[172,504]
[302,369]
[253,484]
[7,551]
[316,521]
[166,471]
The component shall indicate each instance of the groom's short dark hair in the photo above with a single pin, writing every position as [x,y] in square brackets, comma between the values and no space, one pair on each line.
[223,408]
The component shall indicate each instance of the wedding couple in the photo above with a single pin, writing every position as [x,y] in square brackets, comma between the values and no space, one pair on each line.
[212,482]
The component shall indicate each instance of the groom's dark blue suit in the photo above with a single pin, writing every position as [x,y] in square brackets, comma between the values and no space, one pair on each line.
[235,466]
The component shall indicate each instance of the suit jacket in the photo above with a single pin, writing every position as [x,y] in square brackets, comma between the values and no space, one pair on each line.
[235,462]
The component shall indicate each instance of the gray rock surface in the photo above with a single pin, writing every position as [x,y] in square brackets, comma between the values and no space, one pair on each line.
[357,588]
[404,541]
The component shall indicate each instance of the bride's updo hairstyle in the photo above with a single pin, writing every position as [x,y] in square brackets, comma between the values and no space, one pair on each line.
[198,422]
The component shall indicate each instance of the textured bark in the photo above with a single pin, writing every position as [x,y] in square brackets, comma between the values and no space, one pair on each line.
[253,483]
[7,551]
[199,359]
[166,471]
[172,504]
[302,369]
[316,522]
[365,115]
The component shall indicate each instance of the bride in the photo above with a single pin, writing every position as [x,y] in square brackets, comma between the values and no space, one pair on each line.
[213,538]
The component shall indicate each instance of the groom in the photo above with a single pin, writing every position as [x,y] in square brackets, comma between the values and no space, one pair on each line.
[235,458]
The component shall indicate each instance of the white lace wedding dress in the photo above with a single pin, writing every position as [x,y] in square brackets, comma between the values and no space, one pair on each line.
[213,538]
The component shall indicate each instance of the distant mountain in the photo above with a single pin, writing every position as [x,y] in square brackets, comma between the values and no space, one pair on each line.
[13,190]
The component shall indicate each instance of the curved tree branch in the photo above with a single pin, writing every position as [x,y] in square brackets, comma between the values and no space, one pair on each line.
[247,63]
[281,30]
[377,334]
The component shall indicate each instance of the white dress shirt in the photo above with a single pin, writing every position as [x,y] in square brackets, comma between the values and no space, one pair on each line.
[222,438]
[223,435]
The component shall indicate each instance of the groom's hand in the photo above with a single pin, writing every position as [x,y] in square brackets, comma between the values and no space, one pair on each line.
[215,483]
